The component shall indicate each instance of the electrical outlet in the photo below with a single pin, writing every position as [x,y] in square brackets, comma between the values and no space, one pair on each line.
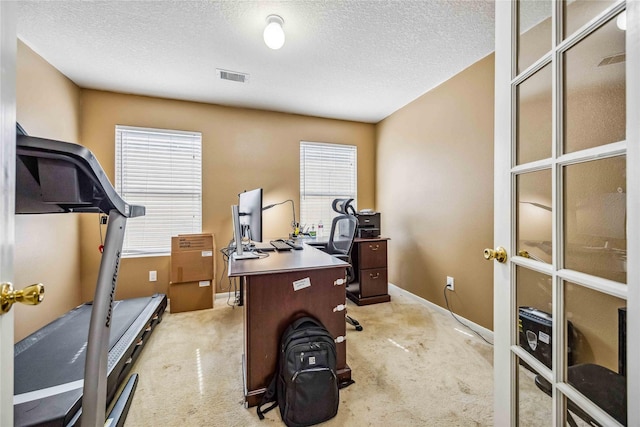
[153,276]
[450,283]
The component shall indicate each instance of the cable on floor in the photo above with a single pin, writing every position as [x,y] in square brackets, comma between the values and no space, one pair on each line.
[226,253]
[459,321]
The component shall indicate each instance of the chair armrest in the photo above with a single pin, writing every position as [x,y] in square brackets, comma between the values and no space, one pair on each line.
[317,244]
[342,257]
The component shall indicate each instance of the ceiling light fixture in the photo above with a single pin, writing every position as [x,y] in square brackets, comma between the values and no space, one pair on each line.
[273,32]
[621,21]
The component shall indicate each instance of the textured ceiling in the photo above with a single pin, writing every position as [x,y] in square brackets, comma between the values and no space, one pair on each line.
[351,60]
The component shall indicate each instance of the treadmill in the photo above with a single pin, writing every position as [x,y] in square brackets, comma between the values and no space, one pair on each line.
[60,177]
[49,363]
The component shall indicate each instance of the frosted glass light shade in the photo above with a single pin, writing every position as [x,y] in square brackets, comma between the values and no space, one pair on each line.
[273,33]
[621,21]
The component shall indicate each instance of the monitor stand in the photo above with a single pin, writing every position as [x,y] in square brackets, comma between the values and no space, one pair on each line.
[244,255]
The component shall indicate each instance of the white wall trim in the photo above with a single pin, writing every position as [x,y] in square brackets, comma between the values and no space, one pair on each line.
[480,329]
[224,295]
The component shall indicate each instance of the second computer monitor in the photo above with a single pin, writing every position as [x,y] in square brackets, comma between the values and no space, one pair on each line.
[250,210]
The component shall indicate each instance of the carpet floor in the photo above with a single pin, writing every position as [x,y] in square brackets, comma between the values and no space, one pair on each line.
[412,366]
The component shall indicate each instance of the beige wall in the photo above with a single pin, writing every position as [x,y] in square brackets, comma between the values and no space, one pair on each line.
[47,246]
[242,149]
[415,145]
[435,191]
[434,187]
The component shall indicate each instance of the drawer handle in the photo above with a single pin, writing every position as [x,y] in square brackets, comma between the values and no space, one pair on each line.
[374,277]
[374,248]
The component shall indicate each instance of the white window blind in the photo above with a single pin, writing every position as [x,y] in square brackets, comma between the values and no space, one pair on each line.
[327,172]
[161,170]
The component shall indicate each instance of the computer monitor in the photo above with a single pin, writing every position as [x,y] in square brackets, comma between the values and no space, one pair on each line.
[250,211]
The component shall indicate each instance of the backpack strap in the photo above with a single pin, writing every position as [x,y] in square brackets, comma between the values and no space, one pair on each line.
[267,397]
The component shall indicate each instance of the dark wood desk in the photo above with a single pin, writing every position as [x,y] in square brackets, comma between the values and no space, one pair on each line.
[271,304]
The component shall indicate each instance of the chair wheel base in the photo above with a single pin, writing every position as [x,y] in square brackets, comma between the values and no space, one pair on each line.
[350,320]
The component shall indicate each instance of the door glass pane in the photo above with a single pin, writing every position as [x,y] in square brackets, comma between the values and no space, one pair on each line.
[534,31]
[595,218]
[594,90]
[534,404]
[576,417]
[534,117]
[533,299]
[596,347]
[533,215]
[579,12]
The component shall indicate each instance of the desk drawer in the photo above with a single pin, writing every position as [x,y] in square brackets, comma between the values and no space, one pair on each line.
[373,282]
[372,254]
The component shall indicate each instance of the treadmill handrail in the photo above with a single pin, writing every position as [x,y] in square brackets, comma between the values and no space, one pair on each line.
[83,159]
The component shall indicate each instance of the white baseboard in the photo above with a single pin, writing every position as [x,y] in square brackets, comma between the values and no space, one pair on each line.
[222,295]
[480,329]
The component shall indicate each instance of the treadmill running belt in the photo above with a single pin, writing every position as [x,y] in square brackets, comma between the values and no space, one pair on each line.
[49,364]
[56,355]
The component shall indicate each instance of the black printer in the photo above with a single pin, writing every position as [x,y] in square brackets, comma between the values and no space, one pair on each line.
[368,224]
[535,329]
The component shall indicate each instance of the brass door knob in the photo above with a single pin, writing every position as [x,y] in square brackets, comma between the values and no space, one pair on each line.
[31,295]
[499,254]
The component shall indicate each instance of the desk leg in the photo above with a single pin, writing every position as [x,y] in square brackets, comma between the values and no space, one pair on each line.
[241,296]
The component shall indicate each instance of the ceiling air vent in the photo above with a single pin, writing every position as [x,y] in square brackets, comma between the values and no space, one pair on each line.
[613,59]
[232,75]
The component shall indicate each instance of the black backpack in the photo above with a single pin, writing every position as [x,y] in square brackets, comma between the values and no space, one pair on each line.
[305,384]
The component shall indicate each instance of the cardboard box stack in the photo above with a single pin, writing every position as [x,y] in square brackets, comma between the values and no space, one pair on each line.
[192,272]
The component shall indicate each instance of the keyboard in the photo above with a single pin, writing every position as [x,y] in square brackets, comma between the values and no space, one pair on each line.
[285,244]
[263,246]
[280,245]
[293,244]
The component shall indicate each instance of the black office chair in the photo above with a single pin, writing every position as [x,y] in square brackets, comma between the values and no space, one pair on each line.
[604,387]
[601,385]
[343,233]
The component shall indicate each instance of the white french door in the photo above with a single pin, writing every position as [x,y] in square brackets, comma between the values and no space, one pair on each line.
[567,212]
[8,43]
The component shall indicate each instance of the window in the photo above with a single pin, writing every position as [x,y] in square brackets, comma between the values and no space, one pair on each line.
[161,170]
[327,172]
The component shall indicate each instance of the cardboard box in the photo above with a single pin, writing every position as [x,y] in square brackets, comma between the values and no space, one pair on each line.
[192,258]
[190,296]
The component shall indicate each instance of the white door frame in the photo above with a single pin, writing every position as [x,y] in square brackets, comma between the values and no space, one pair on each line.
[505,363]
[633,210]
[8,46]
[504,391]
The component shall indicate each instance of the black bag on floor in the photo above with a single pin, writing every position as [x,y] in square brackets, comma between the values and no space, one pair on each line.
[305,384]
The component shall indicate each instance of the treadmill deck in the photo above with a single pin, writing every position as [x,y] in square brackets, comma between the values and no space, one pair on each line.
[49,364]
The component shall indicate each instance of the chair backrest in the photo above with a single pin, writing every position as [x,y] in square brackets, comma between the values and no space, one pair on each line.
[343,206]
[343,231]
